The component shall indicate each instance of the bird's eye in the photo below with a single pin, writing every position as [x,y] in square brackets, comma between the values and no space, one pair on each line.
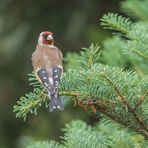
[44,35]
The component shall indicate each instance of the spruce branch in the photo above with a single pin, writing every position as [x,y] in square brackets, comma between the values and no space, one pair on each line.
[124,101]
[76,133]
[133,31]
[45,144]
[116,22]
[138,53]
[137,40]
[137,50]
[101,88]
[110,106]
[104,134]
[125,86]
[31,101]
[136,8]
[111,47]
[90,56]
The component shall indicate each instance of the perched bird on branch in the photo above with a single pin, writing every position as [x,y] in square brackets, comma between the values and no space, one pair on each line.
[47,64]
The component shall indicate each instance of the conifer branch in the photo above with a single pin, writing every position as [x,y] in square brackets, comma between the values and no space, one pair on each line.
[105,133]
[26,105]
[139,54]
[100,88]
[136,44]
[107,107]
[136,8]
[116,22]
[124,101]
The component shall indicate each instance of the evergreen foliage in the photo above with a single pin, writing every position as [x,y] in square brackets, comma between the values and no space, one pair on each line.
[113,49]
[33,100]
[135,46]
[105,83]
[104,134]
[44,144]
[112,91]
[136,8]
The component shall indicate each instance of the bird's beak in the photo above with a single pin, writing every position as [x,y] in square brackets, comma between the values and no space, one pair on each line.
[49,37]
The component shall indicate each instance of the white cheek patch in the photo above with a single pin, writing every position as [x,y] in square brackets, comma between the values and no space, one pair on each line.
[40,40]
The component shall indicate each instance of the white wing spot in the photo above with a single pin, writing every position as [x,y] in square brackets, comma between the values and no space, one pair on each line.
[58,106]
[44,78]
[55,70]
[56,76]
[46,84]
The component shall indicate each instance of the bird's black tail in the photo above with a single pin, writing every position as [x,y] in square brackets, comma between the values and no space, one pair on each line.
[55,103]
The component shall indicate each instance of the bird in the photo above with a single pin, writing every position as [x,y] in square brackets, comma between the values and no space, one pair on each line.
[48,68]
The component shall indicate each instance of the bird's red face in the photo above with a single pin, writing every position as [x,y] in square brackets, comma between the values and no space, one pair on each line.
[46,38]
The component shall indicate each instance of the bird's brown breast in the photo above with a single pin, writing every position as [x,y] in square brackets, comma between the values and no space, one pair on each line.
[46,57]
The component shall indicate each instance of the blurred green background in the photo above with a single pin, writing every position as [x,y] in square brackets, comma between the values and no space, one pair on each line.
[75,24]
